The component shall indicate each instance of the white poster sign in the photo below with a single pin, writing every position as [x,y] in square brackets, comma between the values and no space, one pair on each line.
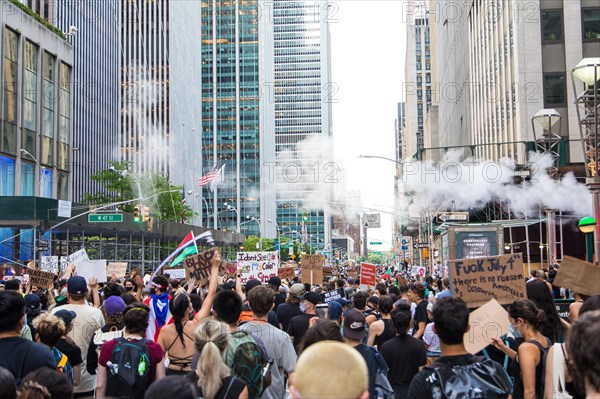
[64,209]
[176,273]
[92,268]
[257,265]
[77,257]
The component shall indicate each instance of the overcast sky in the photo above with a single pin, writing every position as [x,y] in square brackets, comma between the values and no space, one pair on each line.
[368,49]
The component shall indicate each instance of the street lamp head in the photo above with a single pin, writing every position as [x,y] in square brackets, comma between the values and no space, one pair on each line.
[189,192]
[546,118]
[588,71]
[587,225]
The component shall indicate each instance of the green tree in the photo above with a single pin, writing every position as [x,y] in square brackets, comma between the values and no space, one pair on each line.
[118,186]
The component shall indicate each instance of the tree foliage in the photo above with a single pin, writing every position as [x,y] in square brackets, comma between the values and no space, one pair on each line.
[119,185]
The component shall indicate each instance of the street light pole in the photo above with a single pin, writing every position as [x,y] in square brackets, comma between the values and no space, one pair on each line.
[42,169]
[237,214]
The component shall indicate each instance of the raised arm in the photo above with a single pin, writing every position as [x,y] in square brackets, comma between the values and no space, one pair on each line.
[212,288]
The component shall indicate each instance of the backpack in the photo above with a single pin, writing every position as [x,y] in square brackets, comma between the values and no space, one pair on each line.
[245,357]
[64,366]
[383,388]
[128,373]
[482,378]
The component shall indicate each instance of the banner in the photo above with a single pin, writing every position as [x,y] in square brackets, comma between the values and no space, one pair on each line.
[92,268]
[330,296]
[476,281]
[176,273]
[49,264]
[40,278]
[286,273]
[312,268]
[199,265]
[578,276]
[257,265]
[119,269]
[487,322]
[368,274]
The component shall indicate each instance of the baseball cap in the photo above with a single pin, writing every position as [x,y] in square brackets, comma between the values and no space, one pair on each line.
[32,301]
[343,302]
[66,315]
[297,289]
[350,280]
[311,297]
[76,285]
[275,281]
[114,305]
[251,284]
[354,325]
[335,310]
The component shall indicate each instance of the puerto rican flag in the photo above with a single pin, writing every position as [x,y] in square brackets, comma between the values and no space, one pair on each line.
[159,315]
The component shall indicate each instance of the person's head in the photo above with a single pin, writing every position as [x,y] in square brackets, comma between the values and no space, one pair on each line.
[211,338]
[128,298]
[171,387]
[403,288]
[129,285]
[160,284]
[135,318]
[401,317]
[533,273]
[296,291]
[260,300]
[274,284]
[386,304]
[227,306]
[76,289]
[180,308]
[12,311]
[360,300]
[345,368]
[67,316]
[523,315]
[538,292]
[49,328]
[584,348]
[340,283]
[8,387]
[335,311]
[446,283]
[541,275]
[451,318]
[393,290]
[380,289]
[373,303]
[13,285]
[196,302]
[354,325]
[323,330]
[45,383]
[113,289]
[309,303]
[175,283]
[416,292]
[592,303]
[251,284]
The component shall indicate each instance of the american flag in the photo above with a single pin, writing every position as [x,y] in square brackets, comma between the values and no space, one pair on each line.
[211,175]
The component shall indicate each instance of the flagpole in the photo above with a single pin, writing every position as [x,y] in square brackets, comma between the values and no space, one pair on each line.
[194,240]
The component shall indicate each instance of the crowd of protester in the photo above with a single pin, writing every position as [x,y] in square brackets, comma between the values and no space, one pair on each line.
[183,339]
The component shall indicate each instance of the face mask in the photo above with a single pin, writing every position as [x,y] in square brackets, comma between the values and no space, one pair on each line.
[302,307]
[515,332]
[129,288]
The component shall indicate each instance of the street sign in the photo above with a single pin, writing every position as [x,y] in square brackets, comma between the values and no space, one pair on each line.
[105,218]
[404,247]
[403,242]
[375,243]
[425,245]
[452,217]
[372,220]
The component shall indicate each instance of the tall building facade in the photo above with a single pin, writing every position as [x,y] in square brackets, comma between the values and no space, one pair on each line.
[399,130]
[418,76]
[96,77]
[231,125]
[160,105]
[303,95]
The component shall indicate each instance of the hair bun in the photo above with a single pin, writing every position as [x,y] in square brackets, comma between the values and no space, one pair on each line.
[541,316]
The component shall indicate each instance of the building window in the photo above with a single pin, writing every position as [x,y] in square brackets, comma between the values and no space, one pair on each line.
[552,29]
[64,121]
[48,99]
[46,183]
[591,24]
[27,179]
[554,90]
[63,186]
[28,139]
[7,171]
[8,143]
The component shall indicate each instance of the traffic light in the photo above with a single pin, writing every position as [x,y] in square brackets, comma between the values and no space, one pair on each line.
[305,216]
[136,214]
[146,214]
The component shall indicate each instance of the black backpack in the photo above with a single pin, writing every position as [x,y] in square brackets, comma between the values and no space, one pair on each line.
[481,378]
[383,388]
[128,374]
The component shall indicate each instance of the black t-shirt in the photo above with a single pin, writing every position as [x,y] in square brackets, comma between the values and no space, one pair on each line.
[420,315]
[426,385]
[298,327]
[368,354]
[279,299]
[73,352]
[21,356]
[287,311]
[403,355]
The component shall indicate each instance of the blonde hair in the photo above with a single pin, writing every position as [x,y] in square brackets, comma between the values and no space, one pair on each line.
[346,370]
[49,328]
[211,339]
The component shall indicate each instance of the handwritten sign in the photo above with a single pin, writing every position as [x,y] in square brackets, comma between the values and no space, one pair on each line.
[487,322]
[286,272]
[49,264]
[579,276]
[231,268]
[330,296]
[77,257]
[119,269]
[257,265]
[92,268]
[368,274]
[176,273]
[312,268]
[476,281]
[40,278]
[198,266]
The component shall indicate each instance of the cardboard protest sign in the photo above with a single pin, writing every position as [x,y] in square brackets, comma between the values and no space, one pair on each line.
[330,296]
[199,265]
[119,269]
[176,273]
[579,276]
[231,268]
[476,281]
[257,265]
[40,278]
[368,274]
[92,268]
[77,257]
[49,264]
[286,272]
[487,322]
[312,268]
